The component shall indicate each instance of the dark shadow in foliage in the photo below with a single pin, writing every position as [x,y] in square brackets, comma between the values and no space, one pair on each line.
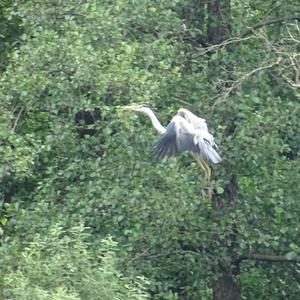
[84,121]
[86,126]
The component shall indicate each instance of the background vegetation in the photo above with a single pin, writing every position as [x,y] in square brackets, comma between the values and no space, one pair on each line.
[76,171]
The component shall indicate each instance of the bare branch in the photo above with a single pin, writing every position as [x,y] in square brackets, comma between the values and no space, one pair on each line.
[292,36]
[269,258]
[224,44]
[17,118]
[246,35]
[291,56]
[270,22]
[237,83]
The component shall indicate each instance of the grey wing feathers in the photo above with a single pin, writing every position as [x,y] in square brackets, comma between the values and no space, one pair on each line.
[181,136]
[205,141]
[177,138]
[201,126]
[207,151]
[166,145]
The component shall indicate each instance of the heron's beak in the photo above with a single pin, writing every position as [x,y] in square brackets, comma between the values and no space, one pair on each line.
[130,107]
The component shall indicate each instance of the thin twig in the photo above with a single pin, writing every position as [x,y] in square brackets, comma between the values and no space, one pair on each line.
[183,102]
[17,118]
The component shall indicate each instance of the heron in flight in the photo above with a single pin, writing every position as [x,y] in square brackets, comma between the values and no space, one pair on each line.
[185,132]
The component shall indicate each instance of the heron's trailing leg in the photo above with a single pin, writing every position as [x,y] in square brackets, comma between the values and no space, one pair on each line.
[206,191]
[203,165]
[208,171]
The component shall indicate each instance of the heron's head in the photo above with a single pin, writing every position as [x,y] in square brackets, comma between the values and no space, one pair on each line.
[143,108]
[182,112]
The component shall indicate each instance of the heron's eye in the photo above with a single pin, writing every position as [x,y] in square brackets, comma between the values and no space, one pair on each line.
[145,105]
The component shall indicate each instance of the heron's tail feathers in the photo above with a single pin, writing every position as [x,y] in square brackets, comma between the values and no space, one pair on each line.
[208,153]
[214,156]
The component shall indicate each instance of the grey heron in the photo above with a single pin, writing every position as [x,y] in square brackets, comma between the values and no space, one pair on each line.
[185,132]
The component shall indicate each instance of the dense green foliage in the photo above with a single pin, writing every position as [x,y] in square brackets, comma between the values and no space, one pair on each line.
[61,266]
[69,155]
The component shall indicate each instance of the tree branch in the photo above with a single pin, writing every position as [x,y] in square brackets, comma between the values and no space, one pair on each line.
[268,258]
[271,22]
[234,85]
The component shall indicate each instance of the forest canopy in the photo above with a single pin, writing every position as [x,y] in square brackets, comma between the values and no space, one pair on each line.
[86,212]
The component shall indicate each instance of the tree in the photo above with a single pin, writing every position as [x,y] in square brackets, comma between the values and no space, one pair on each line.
[68,154]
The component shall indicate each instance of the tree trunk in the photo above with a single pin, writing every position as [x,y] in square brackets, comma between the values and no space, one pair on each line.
[218,27]
[225,288]
[218,30]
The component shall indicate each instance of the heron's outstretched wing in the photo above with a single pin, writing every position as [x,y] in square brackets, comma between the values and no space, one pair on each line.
[181,136]
[174,140]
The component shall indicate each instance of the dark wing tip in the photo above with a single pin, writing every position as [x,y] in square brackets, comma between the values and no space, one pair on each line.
[166,146]
[163,149]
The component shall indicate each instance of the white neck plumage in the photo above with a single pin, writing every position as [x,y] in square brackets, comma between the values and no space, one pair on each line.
[156,124]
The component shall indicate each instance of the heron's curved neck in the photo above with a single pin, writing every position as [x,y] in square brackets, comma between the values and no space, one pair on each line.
[156,124]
